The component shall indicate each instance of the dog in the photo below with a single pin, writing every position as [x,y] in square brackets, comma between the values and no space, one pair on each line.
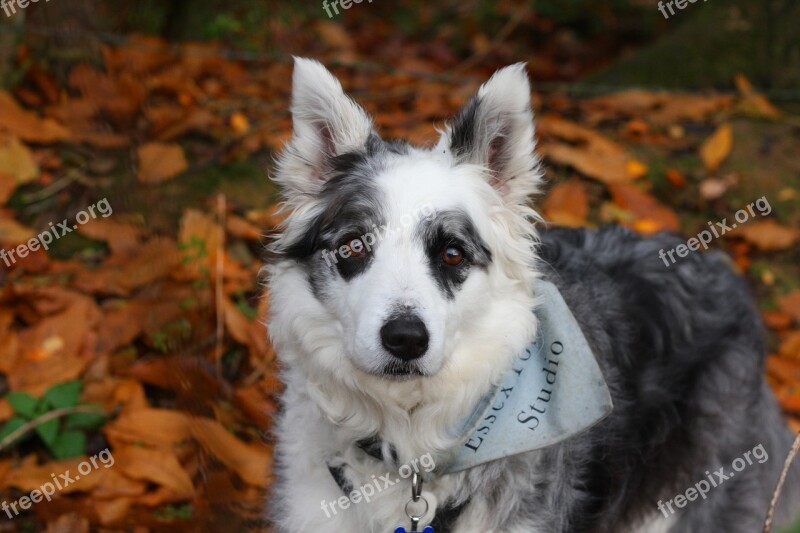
[405,284]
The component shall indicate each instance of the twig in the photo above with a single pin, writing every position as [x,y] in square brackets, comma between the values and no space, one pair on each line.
[786,466]
[218,288]
[56,413]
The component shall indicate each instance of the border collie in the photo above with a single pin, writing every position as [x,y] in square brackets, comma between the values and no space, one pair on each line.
[408,283]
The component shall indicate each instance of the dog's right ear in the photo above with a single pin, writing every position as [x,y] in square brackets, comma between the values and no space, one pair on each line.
[326,123]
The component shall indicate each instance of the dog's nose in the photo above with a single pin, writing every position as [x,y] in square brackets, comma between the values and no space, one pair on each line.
[405,337]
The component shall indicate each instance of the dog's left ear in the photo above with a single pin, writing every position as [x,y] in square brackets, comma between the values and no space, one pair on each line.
[326,123]
[495,130]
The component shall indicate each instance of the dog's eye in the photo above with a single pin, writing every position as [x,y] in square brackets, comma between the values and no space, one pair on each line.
[452,256]
[354,246]
[357,248]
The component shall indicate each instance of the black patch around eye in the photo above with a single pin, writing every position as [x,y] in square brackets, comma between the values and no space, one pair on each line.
[452,228]
[350,264]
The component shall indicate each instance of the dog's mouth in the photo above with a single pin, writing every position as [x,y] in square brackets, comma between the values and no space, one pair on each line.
[401,370]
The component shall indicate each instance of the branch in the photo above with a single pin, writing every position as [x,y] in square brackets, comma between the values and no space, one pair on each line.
[781,480]
[56,413]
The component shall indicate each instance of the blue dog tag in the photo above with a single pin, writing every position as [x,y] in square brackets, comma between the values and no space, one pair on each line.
[401,529]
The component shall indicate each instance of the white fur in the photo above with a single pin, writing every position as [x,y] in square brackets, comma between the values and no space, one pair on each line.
[327,349]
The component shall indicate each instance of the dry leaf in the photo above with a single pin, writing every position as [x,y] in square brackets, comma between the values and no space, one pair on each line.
[156,466]
[791,304]
[768,235]
[250,461]
[649,214]
[16,160]
[717,147]
[160,161]
[567,204]
[27,125]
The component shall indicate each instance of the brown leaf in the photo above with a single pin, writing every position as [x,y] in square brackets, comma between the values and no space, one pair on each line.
[790,345]
[16,160]
[676,178]
[122,238]
[250,461]
[650,215]
[717,147]
[13,233]
[156,466]
[777,320]
[160,161]
[29,476]
[769,235]
[754,103]
[790,303]
[567,204]
[589,152]
[160,428]
[27,125]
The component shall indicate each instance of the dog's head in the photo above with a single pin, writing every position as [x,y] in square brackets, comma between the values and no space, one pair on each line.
[399,261]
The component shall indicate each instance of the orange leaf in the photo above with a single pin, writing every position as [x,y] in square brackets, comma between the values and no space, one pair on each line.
[250,461]
[160,161]
[567,204]
[769,235]
[27,125]
[791,304]
[152,427]
[156,466]
[790,345]
[717,147]
[16,160]
[650,215]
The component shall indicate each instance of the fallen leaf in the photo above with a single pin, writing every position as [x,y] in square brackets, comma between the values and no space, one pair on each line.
[768,235]
[156,466]
[717,147]
[122,238]
[676,178]
[790,303]
[159,162]
[567,204]
[16,160]
[650,215]
[777,320]
[27,125]
[753,103]
[250,461]
[13,233]
[160,428]
[790,345]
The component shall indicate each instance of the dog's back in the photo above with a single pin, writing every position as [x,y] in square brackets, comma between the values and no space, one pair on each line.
[681,348]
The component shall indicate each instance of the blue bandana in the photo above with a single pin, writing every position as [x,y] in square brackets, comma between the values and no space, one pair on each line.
[554,390]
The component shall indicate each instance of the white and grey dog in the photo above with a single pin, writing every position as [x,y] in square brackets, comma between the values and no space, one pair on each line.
[401,293]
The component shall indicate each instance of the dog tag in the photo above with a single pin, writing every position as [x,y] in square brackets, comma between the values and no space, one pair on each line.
[554,390]
[428,529]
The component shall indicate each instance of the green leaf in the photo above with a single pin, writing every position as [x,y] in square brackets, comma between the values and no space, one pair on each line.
[11,426]
[85,420]
[48,431]
[64,394]
[70,443]
[23,404]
